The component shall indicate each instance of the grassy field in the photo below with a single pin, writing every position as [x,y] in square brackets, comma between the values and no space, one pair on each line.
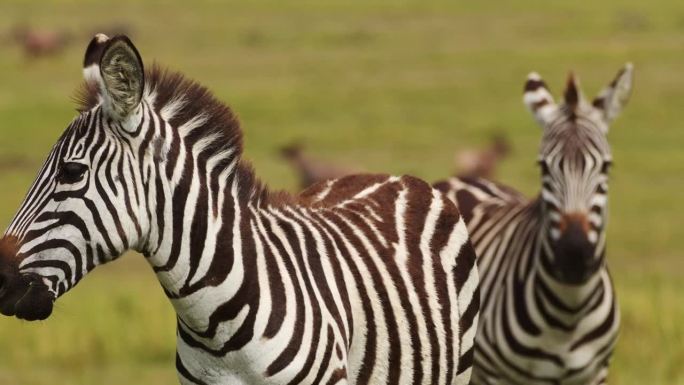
[384,87]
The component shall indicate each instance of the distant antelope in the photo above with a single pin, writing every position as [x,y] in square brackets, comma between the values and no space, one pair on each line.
[549,313]
[482,163]
[40,42]
[365,279]
[311,170]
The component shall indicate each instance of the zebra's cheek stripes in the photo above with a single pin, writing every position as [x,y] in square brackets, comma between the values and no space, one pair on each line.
[66,227]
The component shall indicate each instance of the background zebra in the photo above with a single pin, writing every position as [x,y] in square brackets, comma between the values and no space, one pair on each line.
[549,314]
[367,279]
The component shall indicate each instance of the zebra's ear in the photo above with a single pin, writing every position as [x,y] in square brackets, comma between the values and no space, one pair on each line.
[116,67]
[612,99]
[538,99]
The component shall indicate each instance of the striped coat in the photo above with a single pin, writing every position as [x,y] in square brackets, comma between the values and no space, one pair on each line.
[549,313]
[363,280]
[340,274]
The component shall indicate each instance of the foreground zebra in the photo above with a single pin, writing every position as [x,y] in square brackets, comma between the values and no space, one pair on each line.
[366,279]
[549,314]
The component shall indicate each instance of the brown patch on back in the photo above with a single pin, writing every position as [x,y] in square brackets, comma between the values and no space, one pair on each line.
[343,189]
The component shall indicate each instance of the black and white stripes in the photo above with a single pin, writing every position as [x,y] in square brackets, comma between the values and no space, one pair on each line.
[366,279]
[549,313]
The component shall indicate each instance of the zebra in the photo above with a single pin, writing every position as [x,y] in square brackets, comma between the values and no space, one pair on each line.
[548,313]
[364,279]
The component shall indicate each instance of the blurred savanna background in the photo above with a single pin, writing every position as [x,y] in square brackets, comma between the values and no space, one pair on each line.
[382,86]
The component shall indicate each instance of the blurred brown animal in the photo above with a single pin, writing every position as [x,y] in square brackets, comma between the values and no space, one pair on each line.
[482,163]
[311,170]
[40,43]
[13,163]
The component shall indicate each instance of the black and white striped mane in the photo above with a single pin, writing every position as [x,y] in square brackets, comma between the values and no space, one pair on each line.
[165,87]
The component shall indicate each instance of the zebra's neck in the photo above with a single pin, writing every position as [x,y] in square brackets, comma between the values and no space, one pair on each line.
[198,197]
[198,192]
[200,252]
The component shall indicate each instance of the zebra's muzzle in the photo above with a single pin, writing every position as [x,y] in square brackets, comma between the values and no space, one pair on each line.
[574,255]
[26,297]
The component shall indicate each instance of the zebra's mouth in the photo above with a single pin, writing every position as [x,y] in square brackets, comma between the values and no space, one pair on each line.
[25,297]
[572,274]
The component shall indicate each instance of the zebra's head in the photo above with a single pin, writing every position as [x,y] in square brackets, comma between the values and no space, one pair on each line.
[85,207]
[575,158]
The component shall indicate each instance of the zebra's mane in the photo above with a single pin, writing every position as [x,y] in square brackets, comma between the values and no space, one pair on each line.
[190,100]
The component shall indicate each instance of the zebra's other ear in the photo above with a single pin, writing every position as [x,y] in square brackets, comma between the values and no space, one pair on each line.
[612,99]
[538,99]
[116,67]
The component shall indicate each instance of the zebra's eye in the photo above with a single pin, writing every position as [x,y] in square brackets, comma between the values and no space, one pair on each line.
[561,163]
[605,167]
[602,188]
[71,172]
[544,167]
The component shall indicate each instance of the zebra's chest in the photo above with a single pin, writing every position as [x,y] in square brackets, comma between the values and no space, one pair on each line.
[522,343]
[570,366]
[548,364]
[509,354]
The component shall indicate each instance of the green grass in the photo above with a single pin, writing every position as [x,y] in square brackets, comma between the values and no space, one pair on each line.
[385,87]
